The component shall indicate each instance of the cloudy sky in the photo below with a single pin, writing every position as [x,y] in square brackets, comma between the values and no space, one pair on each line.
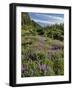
[45,19]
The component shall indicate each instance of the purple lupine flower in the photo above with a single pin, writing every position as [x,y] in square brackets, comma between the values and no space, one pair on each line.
[23,68]
[42,67]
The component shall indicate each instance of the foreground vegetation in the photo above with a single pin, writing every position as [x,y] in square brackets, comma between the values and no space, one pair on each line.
[42,49]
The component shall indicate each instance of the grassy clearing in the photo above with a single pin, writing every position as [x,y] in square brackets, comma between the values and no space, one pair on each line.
[42,56]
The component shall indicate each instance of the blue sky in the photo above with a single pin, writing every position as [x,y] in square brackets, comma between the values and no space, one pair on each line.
[45,19]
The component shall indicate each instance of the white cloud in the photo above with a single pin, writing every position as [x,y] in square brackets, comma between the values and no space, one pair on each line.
[56,18]
[47,21]
[42,21]
[49,16]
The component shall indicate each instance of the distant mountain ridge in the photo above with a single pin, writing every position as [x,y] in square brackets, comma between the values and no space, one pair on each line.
[26,21]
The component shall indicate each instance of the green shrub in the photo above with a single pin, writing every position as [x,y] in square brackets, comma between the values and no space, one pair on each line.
[58,67]
[41,55]
[40,31]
